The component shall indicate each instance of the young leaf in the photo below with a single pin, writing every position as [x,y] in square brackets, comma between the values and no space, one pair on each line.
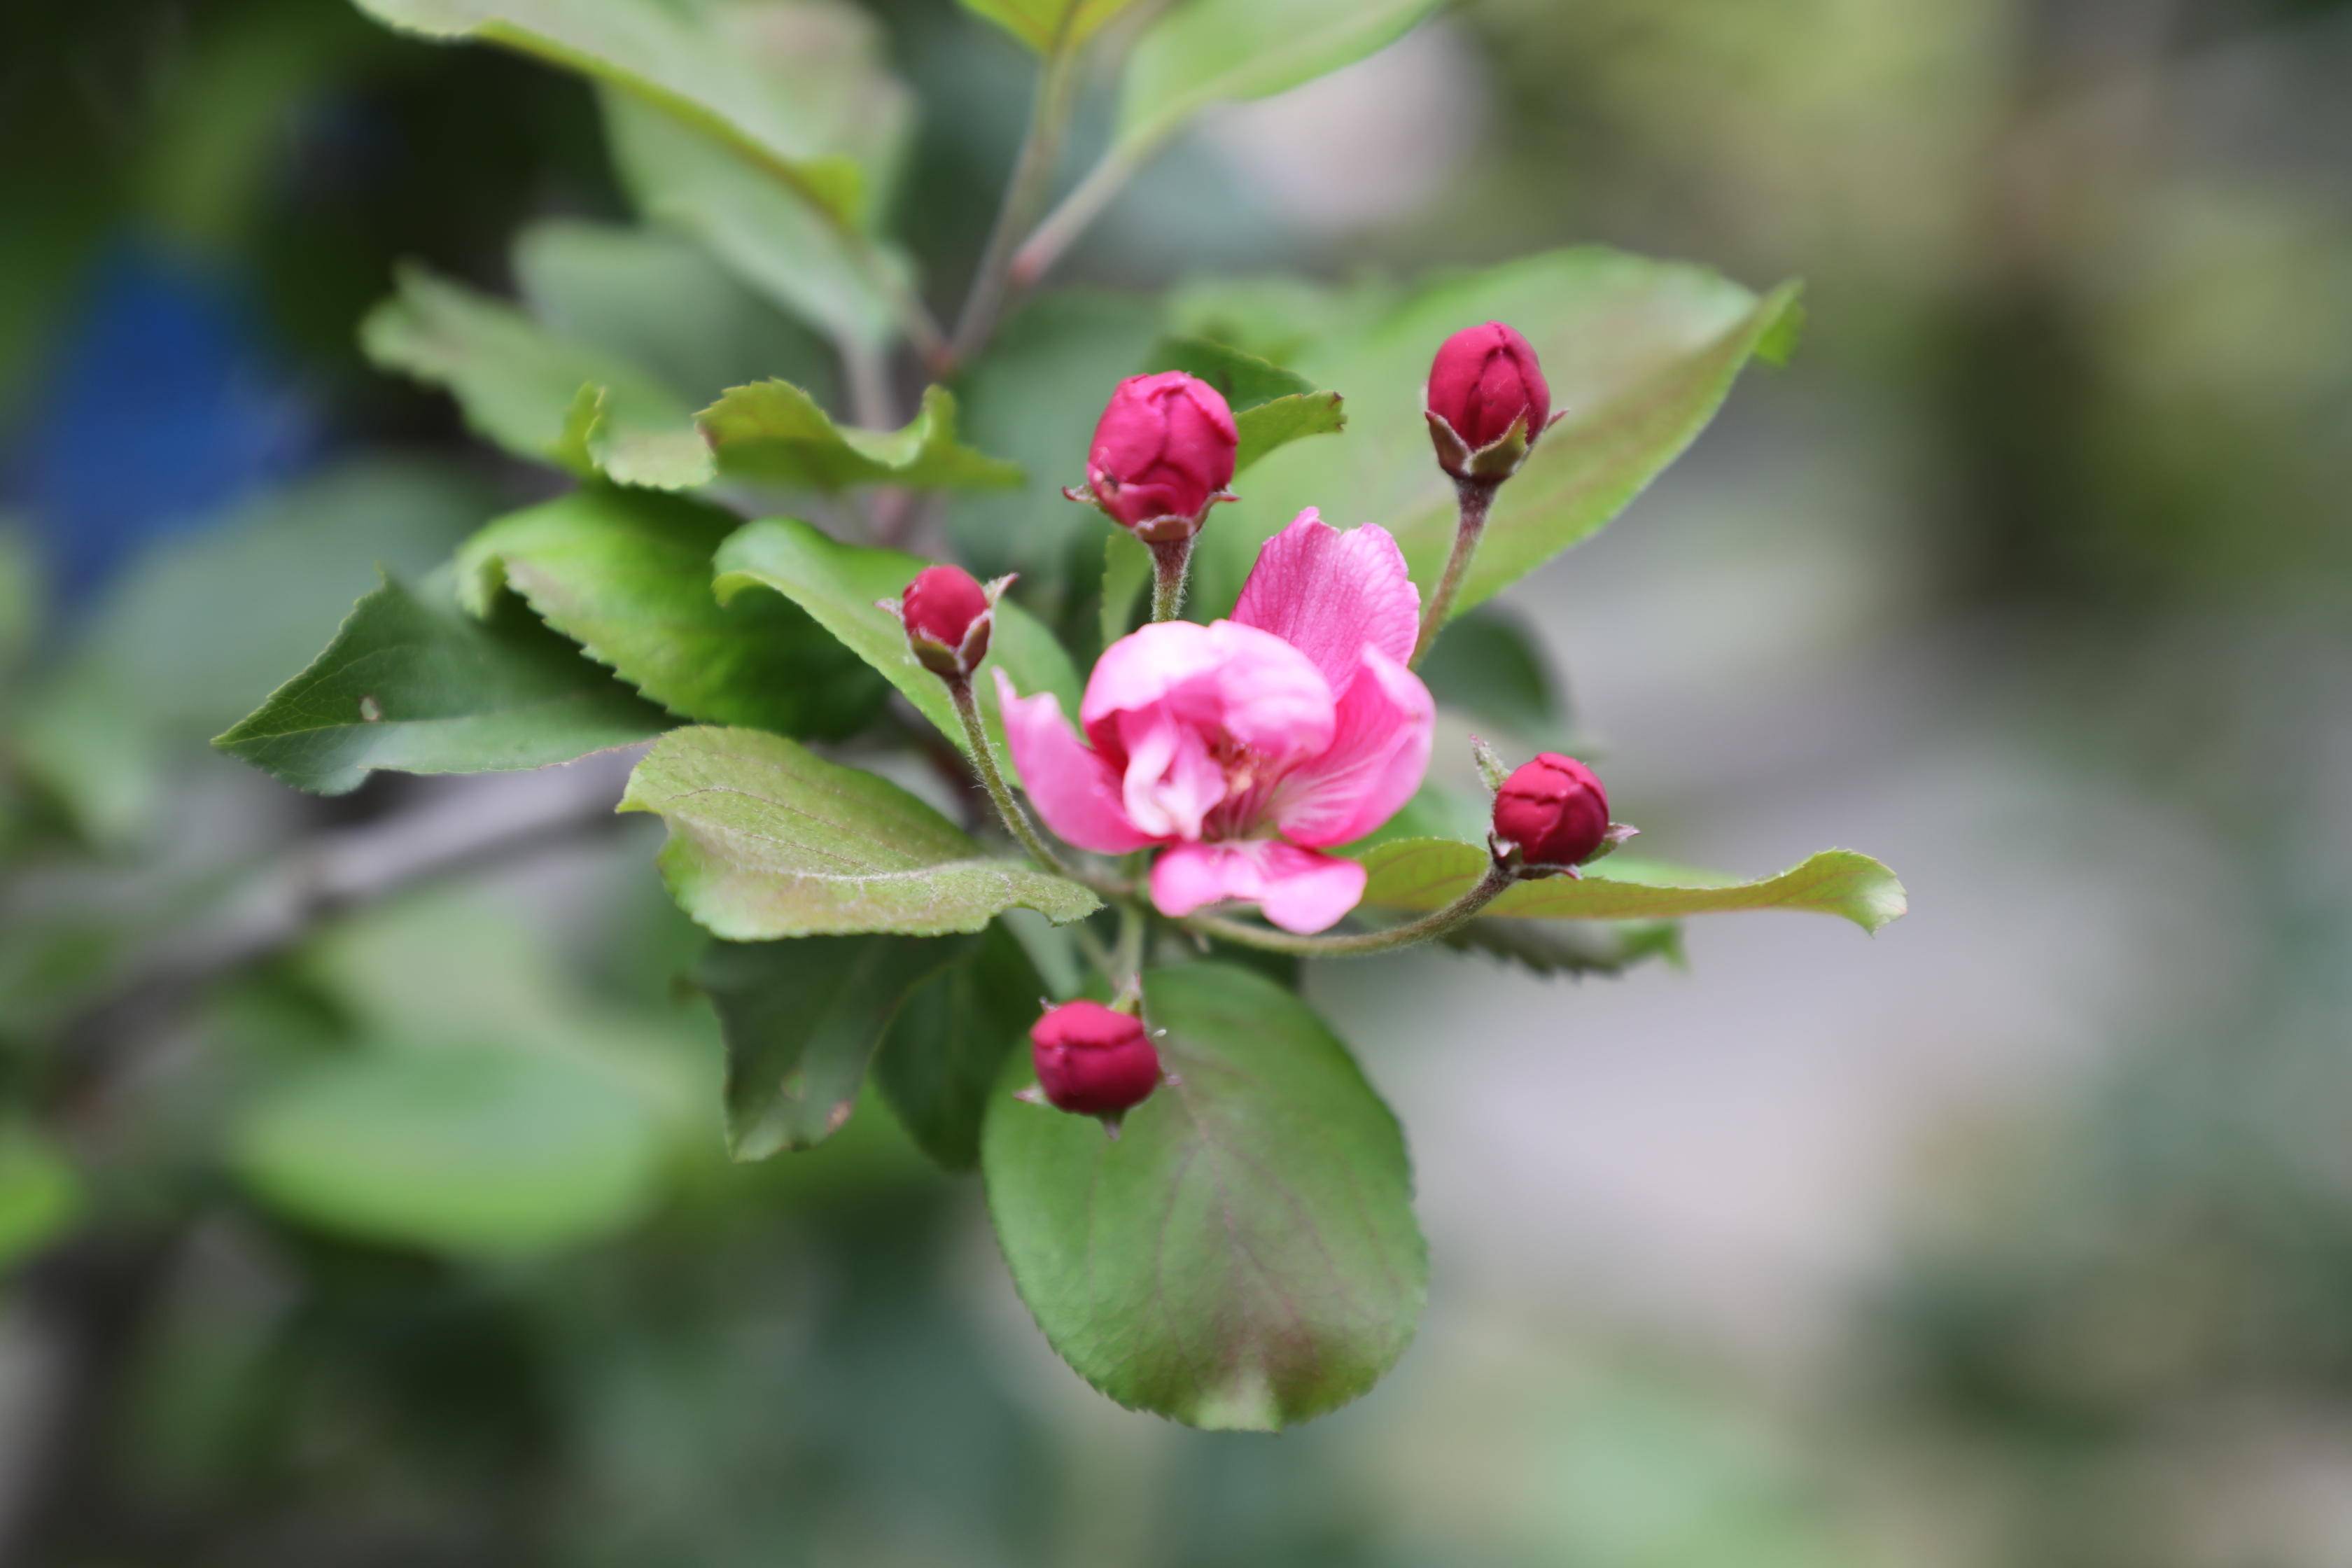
[1222,51]
[627,576]
[1430,873]
[683,61]
[1272,406]
[1047,25]
[462,1149]
[1244,1255]
[801,1020]
[841,585]
[767,841]
[1640,355]
[946,1048]
[411,684]
[773,431]
[766,234]
[533,393]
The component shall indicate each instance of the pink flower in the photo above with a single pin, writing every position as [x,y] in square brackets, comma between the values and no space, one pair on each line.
[1249,745]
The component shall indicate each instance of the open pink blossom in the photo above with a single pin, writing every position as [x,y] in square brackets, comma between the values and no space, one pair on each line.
[1249,745]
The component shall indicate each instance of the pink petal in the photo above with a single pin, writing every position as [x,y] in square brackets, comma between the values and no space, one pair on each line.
[1329,594]
[1073,787]
[1171,782]
[1226,681]
[1378,753]
[1298,890]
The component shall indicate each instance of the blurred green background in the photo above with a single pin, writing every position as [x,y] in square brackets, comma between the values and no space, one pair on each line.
[2020,1236]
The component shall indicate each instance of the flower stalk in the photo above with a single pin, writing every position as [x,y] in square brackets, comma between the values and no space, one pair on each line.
[1172,565]
[1477,498]
[1000,793]
[1428,928]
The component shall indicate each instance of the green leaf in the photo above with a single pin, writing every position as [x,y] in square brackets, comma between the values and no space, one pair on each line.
[1244,1255]
[842,587]
[773,431]
[1272,406]
[627,576]
[1640,355]
[689,62]
[769,840]
[764,233]
[1430,873]
[463,1149]
[40,1197]
[1127,572]
[946,1048]
[660,301]
[801,1020]
[411,684]
[1221,51]
[1489,666]
[1049,25]
[1560,947]
[533,393]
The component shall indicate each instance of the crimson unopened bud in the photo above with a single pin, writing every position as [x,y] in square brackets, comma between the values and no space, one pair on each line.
[1163,455]
[1553,811]
[1093,1060]
[947,616]
[1486,402]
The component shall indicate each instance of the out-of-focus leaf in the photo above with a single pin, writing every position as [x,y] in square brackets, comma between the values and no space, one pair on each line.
[1127,572]
[1276,317]
[151,678]
[763,233]
[1034,398]
[1244,1255]
[626,575]
[945,1051]
[1049,25]
[658,301]
[1489,665]
[413,685]
[1221,51]
[842,587]
[20,600]
[1640,355]
[1430,873]
[462,1149]
[769,840]
[1272,406]
[773,431]
[701,65]
[1558,947]
[40,1193]
[803,1018]
[537,395]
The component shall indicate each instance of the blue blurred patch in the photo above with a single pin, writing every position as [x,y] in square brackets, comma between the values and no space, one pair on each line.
[158,406]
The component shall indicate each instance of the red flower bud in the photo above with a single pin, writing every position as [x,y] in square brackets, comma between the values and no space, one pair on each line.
[1163,450]
[1554,810]
[1092,1060]
[1485,379]
[947,616]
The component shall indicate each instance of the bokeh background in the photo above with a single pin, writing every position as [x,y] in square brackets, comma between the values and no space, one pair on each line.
[2022,1234]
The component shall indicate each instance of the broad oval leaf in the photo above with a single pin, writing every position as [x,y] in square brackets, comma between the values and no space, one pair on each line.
[946,1047]
[1049,26]
[1430,873]
[769,840]
[1221,51]
[463,1149]
[533,393]
[773,431]
[411,684]
[1245,1255]
[701,65]
[842,587]
[626,575]
[1640,355]
[801,1019]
